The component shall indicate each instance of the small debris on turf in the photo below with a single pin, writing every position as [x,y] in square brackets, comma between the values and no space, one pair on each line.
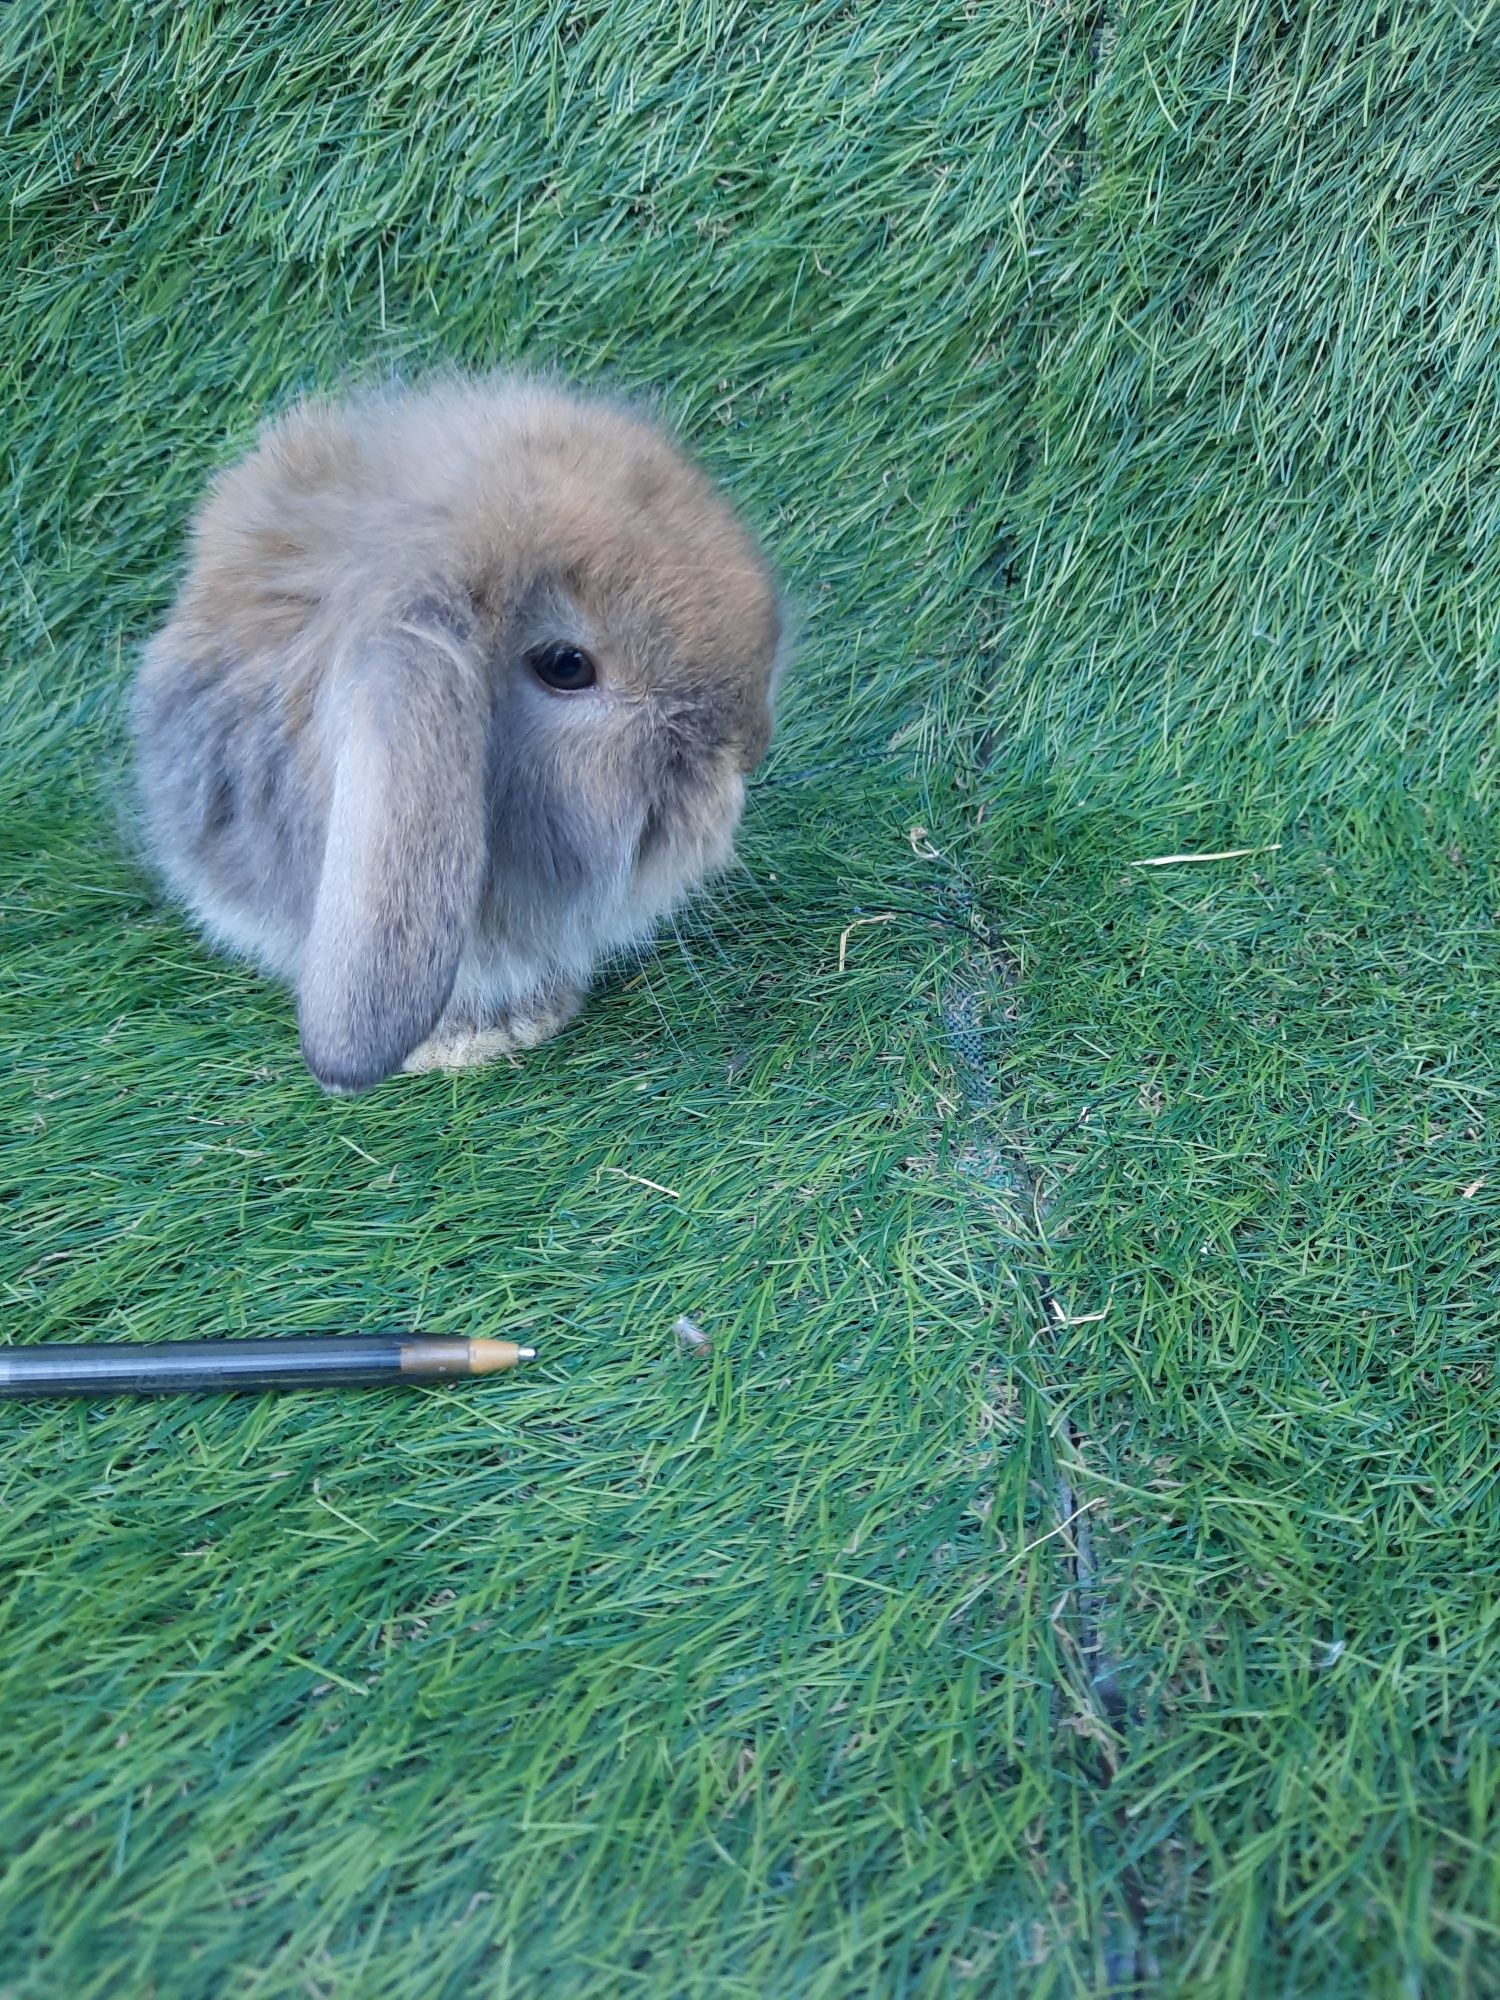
[1221,854]
[640,1180]
[691,1338]
[888,917]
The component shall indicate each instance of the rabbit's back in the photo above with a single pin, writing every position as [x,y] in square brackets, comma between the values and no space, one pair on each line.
[233,775]
[299,549]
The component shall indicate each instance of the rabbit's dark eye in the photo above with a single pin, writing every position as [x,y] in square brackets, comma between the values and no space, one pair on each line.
[566,668]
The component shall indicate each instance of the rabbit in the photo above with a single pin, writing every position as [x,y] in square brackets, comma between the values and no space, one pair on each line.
[458,698]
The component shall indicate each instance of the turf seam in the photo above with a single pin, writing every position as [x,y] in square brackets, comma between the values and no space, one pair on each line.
[1098,29]
[1129,1966]
[990,972]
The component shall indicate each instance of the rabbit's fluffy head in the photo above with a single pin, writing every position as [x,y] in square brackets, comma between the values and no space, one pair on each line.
[625,622]
[460,694]
[632,631]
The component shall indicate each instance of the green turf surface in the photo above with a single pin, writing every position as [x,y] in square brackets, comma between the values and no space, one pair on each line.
[1118,388]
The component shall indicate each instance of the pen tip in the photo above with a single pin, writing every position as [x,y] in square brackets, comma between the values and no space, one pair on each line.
[486,1356]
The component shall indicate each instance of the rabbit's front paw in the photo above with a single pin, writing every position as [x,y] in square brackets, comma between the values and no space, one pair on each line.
[462,1044]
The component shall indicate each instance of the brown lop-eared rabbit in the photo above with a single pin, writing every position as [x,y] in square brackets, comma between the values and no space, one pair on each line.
[458,698]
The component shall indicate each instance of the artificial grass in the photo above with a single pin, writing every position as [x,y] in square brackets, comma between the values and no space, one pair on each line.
[1116,387]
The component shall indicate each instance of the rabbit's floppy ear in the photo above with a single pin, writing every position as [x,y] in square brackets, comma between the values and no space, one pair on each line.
[404,859]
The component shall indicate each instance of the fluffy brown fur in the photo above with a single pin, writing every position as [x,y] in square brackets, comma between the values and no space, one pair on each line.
[352,768]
